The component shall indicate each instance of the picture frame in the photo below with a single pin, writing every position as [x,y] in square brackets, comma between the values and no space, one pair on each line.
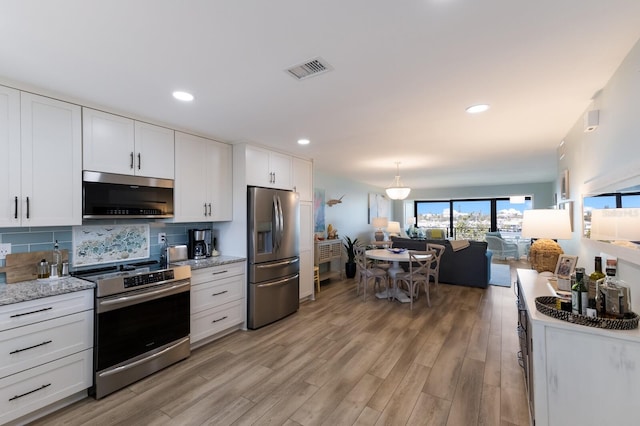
[379,206]
[565,266]
[564,185]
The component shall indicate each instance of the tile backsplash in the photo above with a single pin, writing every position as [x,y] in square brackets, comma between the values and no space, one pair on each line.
[24,240]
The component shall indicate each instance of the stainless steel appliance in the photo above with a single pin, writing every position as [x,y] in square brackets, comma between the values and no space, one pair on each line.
[112,196]
[141,322]
[197,246]
[274,265]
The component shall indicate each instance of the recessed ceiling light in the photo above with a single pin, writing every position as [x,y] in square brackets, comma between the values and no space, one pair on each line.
[474,109]
[183,96]
[303,141]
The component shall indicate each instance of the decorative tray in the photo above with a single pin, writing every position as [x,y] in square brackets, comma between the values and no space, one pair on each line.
[547,306]
[397,250]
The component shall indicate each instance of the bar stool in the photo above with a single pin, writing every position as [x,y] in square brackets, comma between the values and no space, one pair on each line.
[316,277]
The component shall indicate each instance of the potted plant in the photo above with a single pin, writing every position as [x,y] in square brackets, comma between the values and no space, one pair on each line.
[350,266]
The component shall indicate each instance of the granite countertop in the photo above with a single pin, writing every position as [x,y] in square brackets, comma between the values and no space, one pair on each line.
[36,289]
[210,261]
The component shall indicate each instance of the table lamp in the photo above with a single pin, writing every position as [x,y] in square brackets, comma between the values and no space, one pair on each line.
[379,223]
[393,229]
[545,225]
[616,225]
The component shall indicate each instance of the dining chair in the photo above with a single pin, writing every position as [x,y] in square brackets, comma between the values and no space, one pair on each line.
[419,264]
[434,268]
[368,271]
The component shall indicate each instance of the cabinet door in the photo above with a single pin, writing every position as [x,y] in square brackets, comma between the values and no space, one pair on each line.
[10,159]
[257,164]
[191,189]
[220,180]
[108,142]
[154,156]
[51,162]
[302,178]
[280,165]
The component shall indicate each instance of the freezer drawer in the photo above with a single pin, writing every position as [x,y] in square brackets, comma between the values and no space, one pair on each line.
[269,271]
[272,300]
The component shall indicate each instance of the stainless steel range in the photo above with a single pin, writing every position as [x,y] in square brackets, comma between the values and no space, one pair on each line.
[141,322]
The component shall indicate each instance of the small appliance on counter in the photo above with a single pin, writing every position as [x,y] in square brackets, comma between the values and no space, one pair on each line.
[197,246]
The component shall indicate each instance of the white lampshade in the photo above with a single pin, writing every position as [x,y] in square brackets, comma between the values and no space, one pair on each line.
[380,222]
[615,224]
[546,223]
[397,191]
[393,228]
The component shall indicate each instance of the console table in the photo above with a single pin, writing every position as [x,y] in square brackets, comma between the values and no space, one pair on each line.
[575,374]
[329,252]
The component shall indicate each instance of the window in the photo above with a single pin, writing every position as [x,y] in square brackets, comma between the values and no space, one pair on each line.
[471,219]
[606,201]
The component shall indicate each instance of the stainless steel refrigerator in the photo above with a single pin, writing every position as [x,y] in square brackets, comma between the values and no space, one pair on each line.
[274,263]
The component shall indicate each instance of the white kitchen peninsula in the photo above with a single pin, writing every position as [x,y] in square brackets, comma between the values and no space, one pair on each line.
[580,375]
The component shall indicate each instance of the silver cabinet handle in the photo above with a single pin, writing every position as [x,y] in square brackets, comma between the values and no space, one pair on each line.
[205,208]
[131,162]
[209,209]
[139,161]
[15,216]
[219,319]
[220,292]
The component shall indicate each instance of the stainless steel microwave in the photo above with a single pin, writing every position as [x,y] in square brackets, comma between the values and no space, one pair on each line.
[114,196]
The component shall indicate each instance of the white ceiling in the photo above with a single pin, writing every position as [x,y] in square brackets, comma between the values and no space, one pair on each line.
[404,71]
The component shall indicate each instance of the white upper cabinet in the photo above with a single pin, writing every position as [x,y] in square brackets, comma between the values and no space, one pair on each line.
[154,151]
[116,144]
[302,178]
[267,168]
[10,193]
[44,174]
[203,182]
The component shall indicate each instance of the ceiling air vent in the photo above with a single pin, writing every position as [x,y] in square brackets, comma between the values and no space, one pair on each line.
[312,67]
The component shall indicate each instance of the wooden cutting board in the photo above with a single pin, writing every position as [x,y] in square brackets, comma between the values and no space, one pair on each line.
[23,266]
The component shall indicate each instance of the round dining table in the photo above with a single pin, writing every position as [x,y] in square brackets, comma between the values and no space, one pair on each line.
[396,256]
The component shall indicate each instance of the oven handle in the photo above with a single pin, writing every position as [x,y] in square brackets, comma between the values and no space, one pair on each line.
[143,360]
[123,301]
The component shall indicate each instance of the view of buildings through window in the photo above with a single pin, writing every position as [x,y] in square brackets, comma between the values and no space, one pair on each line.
[607,201]
[472,219]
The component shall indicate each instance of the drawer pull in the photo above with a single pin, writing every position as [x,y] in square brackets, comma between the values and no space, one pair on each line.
[219,272]
[32,312]
[30,347]
[219,293]
[30,392]
[219,319]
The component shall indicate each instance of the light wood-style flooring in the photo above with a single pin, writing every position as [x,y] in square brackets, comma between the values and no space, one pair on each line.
[342,361]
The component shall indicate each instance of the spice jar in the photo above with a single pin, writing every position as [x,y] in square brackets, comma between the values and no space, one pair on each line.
[43,269]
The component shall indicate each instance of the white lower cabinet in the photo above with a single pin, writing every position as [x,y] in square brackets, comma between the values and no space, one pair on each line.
[217,301]
[47,352]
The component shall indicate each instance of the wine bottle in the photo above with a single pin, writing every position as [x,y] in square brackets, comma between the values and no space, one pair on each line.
[592,289]
[579,294]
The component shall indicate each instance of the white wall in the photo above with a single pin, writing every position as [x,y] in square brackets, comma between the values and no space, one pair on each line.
[606,159]
[349,217]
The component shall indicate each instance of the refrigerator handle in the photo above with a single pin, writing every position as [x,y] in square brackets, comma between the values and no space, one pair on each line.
[276,235]
[281,218]
[278,264]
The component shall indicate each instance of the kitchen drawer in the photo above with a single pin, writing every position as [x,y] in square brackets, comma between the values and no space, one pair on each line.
[26,347]
[38,387]
[216,293]
[32,311]
[199,276]
[214,320]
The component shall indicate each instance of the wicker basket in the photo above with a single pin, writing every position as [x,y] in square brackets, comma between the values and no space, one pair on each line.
[543,255]
[547,306]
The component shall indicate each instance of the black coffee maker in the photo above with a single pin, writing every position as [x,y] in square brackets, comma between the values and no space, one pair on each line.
[197,247]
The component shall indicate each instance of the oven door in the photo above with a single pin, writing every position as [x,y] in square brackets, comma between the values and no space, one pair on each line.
[149,326]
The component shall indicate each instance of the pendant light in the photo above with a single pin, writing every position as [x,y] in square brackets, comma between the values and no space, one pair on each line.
[397,191]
